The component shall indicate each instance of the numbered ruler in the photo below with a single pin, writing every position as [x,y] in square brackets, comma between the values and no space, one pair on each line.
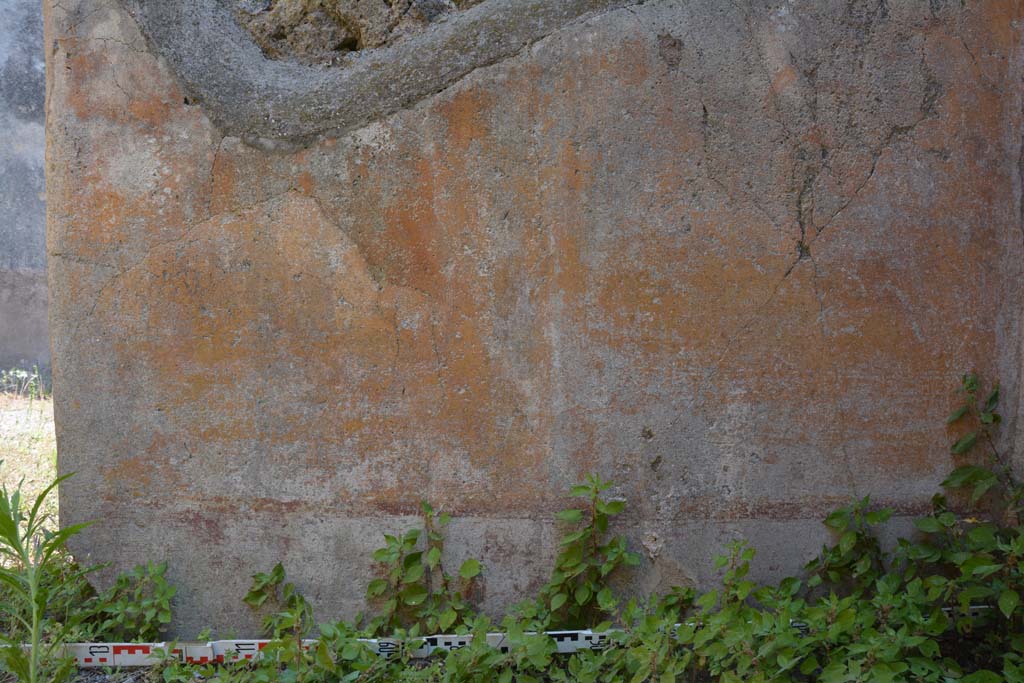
[100,655]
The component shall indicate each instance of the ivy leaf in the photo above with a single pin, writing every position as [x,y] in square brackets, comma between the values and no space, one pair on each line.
[433,557]
[929,525]
[583,594]
[965,443]
[1008,601]
[469,569]
[558,601]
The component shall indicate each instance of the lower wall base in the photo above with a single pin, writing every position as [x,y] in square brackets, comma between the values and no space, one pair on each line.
[330,559]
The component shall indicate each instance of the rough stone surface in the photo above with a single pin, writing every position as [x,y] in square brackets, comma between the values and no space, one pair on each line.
[23,333]
[322,32]
[732,255]
[276,104]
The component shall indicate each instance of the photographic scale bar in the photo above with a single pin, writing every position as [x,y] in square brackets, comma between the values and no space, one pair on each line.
[116,655]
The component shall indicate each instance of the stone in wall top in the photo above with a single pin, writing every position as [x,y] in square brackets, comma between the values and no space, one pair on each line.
[273,102]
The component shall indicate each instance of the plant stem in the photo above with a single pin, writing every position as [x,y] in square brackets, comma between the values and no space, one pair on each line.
[33,582]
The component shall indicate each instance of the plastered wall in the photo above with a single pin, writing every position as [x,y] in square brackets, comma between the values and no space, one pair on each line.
[733,256]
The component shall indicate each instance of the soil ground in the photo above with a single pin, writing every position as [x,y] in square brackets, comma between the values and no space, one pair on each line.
[28,446]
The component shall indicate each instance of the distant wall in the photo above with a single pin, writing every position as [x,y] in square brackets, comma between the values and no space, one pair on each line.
[23,326]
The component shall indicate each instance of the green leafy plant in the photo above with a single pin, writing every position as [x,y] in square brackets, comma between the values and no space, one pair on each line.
[288,613]
[21,382]
[29,551]
[577,594]
[940,607]
[415,591]
[980,418]
[858,557]
[137,607]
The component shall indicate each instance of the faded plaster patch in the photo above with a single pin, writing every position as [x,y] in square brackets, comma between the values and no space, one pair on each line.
[376,136]
[136,166]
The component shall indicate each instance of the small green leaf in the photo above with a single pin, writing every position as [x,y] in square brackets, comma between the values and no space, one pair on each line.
[965,443]
[929,525]
[879,516]
[847,542]
[376,587]
[571,516]
[323,656]
[1008,601]
[958,413]
[413,595]
[447,618]
[469,568]
[582,594]
[983,570]
[614,507]
[982,487]
[838,520]
[708,600]
[982,676]
[558,600]
[992,400]
[413,574]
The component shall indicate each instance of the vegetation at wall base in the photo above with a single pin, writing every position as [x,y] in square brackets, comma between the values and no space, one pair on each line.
[941,607]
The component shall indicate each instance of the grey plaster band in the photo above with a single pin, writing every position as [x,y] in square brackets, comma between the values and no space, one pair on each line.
[268,102]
